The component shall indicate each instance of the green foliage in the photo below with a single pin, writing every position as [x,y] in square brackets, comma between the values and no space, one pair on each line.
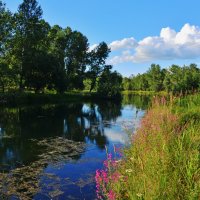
[6,76]
[174,79]
[6,27]
[183,79]
[188,109]
[5,35]
[155,78]
[109,84]
[35,56]
[28,36]
[76,59]
[97,59]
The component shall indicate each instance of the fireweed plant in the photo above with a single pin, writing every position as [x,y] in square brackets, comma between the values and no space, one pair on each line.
[108,174]
[163,160]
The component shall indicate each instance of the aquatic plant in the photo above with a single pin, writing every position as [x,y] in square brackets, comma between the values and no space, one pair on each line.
[24,182]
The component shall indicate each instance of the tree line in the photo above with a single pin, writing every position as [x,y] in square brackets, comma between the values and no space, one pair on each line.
[36,56]
[174,79]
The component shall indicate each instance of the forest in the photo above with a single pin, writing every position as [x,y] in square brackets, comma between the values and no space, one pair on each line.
[175,79]
[38,57]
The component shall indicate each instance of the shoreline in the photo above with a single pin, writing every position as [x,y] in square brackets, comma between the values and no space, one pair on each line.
[15,99]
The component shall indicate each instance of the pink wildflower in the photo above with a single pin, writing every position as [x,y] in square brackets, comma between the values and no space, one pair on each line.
[115,177]
[104,176]
[111,195]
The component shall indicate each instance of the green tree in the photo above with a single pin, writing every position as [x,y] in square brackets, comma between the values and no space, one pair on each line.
[5,36]
[58,38]
[139,82]
[193,77]
[174,79]
[39,74]
[155,78]
[142,82]
[6,27]
[27,38]
[97,62]
[110,83]
[126,83]
[4,75]
[76,59]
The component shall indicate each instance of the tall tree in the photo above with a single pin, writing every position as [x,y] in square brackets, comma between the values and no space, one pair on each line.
[28,35]
[76,59]
[5,35]
[193,80]
[97,62]
[174,79]
[110,83]
[58,39]
[6,27]
[39,73]
[155,78]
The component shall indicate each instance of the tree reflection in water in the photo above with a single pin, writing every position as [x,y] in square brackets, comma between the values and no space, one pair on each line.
[77,122]
[91,123]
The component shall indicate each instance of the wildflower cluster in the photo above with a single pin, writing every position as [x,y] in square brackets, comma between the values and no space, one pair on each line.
[104,178]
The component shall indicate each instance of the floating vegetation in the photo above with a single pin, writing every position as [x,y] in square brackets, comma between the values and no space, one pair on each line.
[24,182]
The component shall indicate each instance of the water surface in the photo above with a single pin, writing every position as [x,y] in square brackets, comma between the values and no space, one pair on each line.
[93,124]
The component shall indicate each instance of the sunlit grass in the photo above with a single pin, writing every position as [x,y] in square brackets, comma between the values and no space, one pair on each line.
[163,161]
[141,92]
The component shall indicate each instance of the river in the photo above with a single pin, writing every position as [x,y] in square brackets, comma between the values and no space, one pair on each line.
[53,151]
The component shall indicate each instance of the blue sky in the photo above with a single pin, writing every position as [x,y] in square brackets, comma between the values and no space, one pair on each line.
[139,32]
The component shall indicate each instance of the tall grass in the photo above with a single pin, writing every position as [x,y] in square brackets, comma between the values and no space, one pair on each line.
[163,162]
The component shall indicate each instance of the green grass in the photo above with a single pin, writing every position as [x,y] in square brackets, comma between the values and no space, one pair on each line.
[163,162]
[140,92]
[188,108]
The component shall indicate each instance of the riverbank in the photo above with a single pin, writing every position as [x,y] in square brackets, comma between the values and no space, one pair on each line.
[17,98]
[163,159]
[149,93]
[27,98]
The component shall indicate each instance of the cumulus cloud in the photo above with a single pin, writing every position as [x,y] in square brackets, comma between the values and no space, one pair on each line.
[126,43]
[169,45]
[126,56]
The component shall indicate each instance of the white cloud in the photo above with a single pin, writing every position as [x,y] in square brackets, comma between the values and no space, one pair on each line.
[126,56]
[126,43]
[169,45]
[168,34]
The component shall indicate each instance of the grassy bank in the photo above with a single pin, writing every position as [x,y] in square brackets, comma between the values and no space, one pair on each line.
[141,92]
[17,98]
[27,98]
[163,161]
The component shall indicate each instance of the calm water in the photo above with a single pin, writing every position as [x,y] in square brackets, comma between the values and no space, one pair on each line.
[95,124]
